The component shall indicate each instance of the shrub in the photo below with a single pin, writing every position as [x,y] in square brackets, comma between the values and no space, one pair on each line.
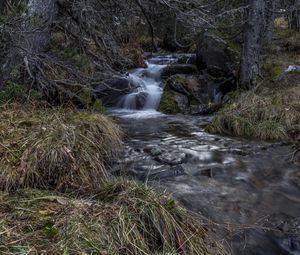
[13,92]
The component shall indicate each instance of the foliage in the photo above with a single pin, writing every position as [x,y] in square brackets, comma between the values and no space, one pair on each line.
[13,92]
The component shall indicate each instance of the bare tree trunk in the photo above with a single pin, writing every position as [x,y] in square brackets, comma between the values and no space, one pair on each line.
[253,40]
[270,18]
[295,17]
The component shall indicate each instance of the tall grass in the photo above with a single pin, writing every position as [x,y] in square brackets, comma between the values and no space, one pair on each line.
[123,218]
[268,113]
[54,148]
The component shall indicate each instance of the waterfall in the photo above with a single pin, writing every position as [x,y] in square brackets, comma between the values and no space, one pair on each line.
[148,83]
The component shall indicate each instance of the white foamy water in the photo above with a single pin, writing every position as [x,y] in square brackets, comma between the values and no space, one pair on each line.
[149,88]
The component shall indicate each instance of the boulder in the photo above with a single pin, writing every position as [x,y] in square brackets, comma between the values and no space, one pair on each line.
[182,101]
[198,88]
[178,84]
[111,90]
[192,94]
[178,69]
[187,59]
[203,109]
[215,55]
[296,158]
[141,99]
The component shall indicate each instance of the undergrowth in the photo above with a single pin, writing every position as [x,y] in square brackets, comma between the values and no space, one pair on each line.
[269,112]
[52,148]
[121,218]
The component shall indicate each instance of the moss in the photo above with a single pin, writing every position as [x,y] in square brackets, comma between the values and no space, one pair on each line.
[57,40]
[86,96]
[272,70]
[83,62]
[71,53]
[193,101]
[188,86]
[193,48]
[168,103]
[98,106]
[234,45]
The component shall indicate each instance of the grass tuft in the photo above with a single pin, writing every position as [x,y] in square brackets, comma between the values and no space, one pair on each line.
[54,148]
[268,113]
[123,218]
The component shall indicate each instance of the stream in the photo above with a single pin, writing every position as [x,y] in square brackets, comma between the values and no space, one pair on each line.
[249,189]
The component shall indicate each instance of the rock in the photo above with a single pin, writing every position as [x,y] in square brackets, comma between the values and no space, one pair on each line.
[190,94]
[172,158]
[296,158]
[178,84]
[112,90]
[168,104]
[154,151]
[178,69]
[171,172]
[214,54]
[187,59]
[140,100]
[182,101]
[203,109]
[238,152]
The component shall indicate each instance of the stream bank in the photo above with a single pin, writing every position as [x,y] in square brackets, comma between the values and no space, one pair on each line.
[250,189]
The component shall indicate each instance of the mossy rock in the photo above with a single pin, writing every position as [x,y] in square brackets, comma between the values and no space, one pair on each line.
[184,86]
[178,95]
[168,103]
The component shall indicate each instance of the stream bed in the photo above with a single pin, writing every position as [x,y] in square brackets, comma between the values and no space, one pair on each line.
[249,189]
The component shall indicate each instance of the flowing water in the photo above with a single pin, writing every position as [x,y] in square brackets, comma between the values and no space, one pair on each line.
[249,189]
[148,83]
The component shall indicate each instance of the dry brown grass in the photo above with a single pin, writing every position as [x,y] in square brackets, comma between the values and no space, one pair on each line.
[54,148]
[124,218]
[267,112]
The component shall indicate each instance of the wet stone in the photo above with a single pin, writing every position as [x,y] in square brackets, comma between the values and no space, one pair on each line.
[153,151]
[238,152]
[172,158]
[171,172]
